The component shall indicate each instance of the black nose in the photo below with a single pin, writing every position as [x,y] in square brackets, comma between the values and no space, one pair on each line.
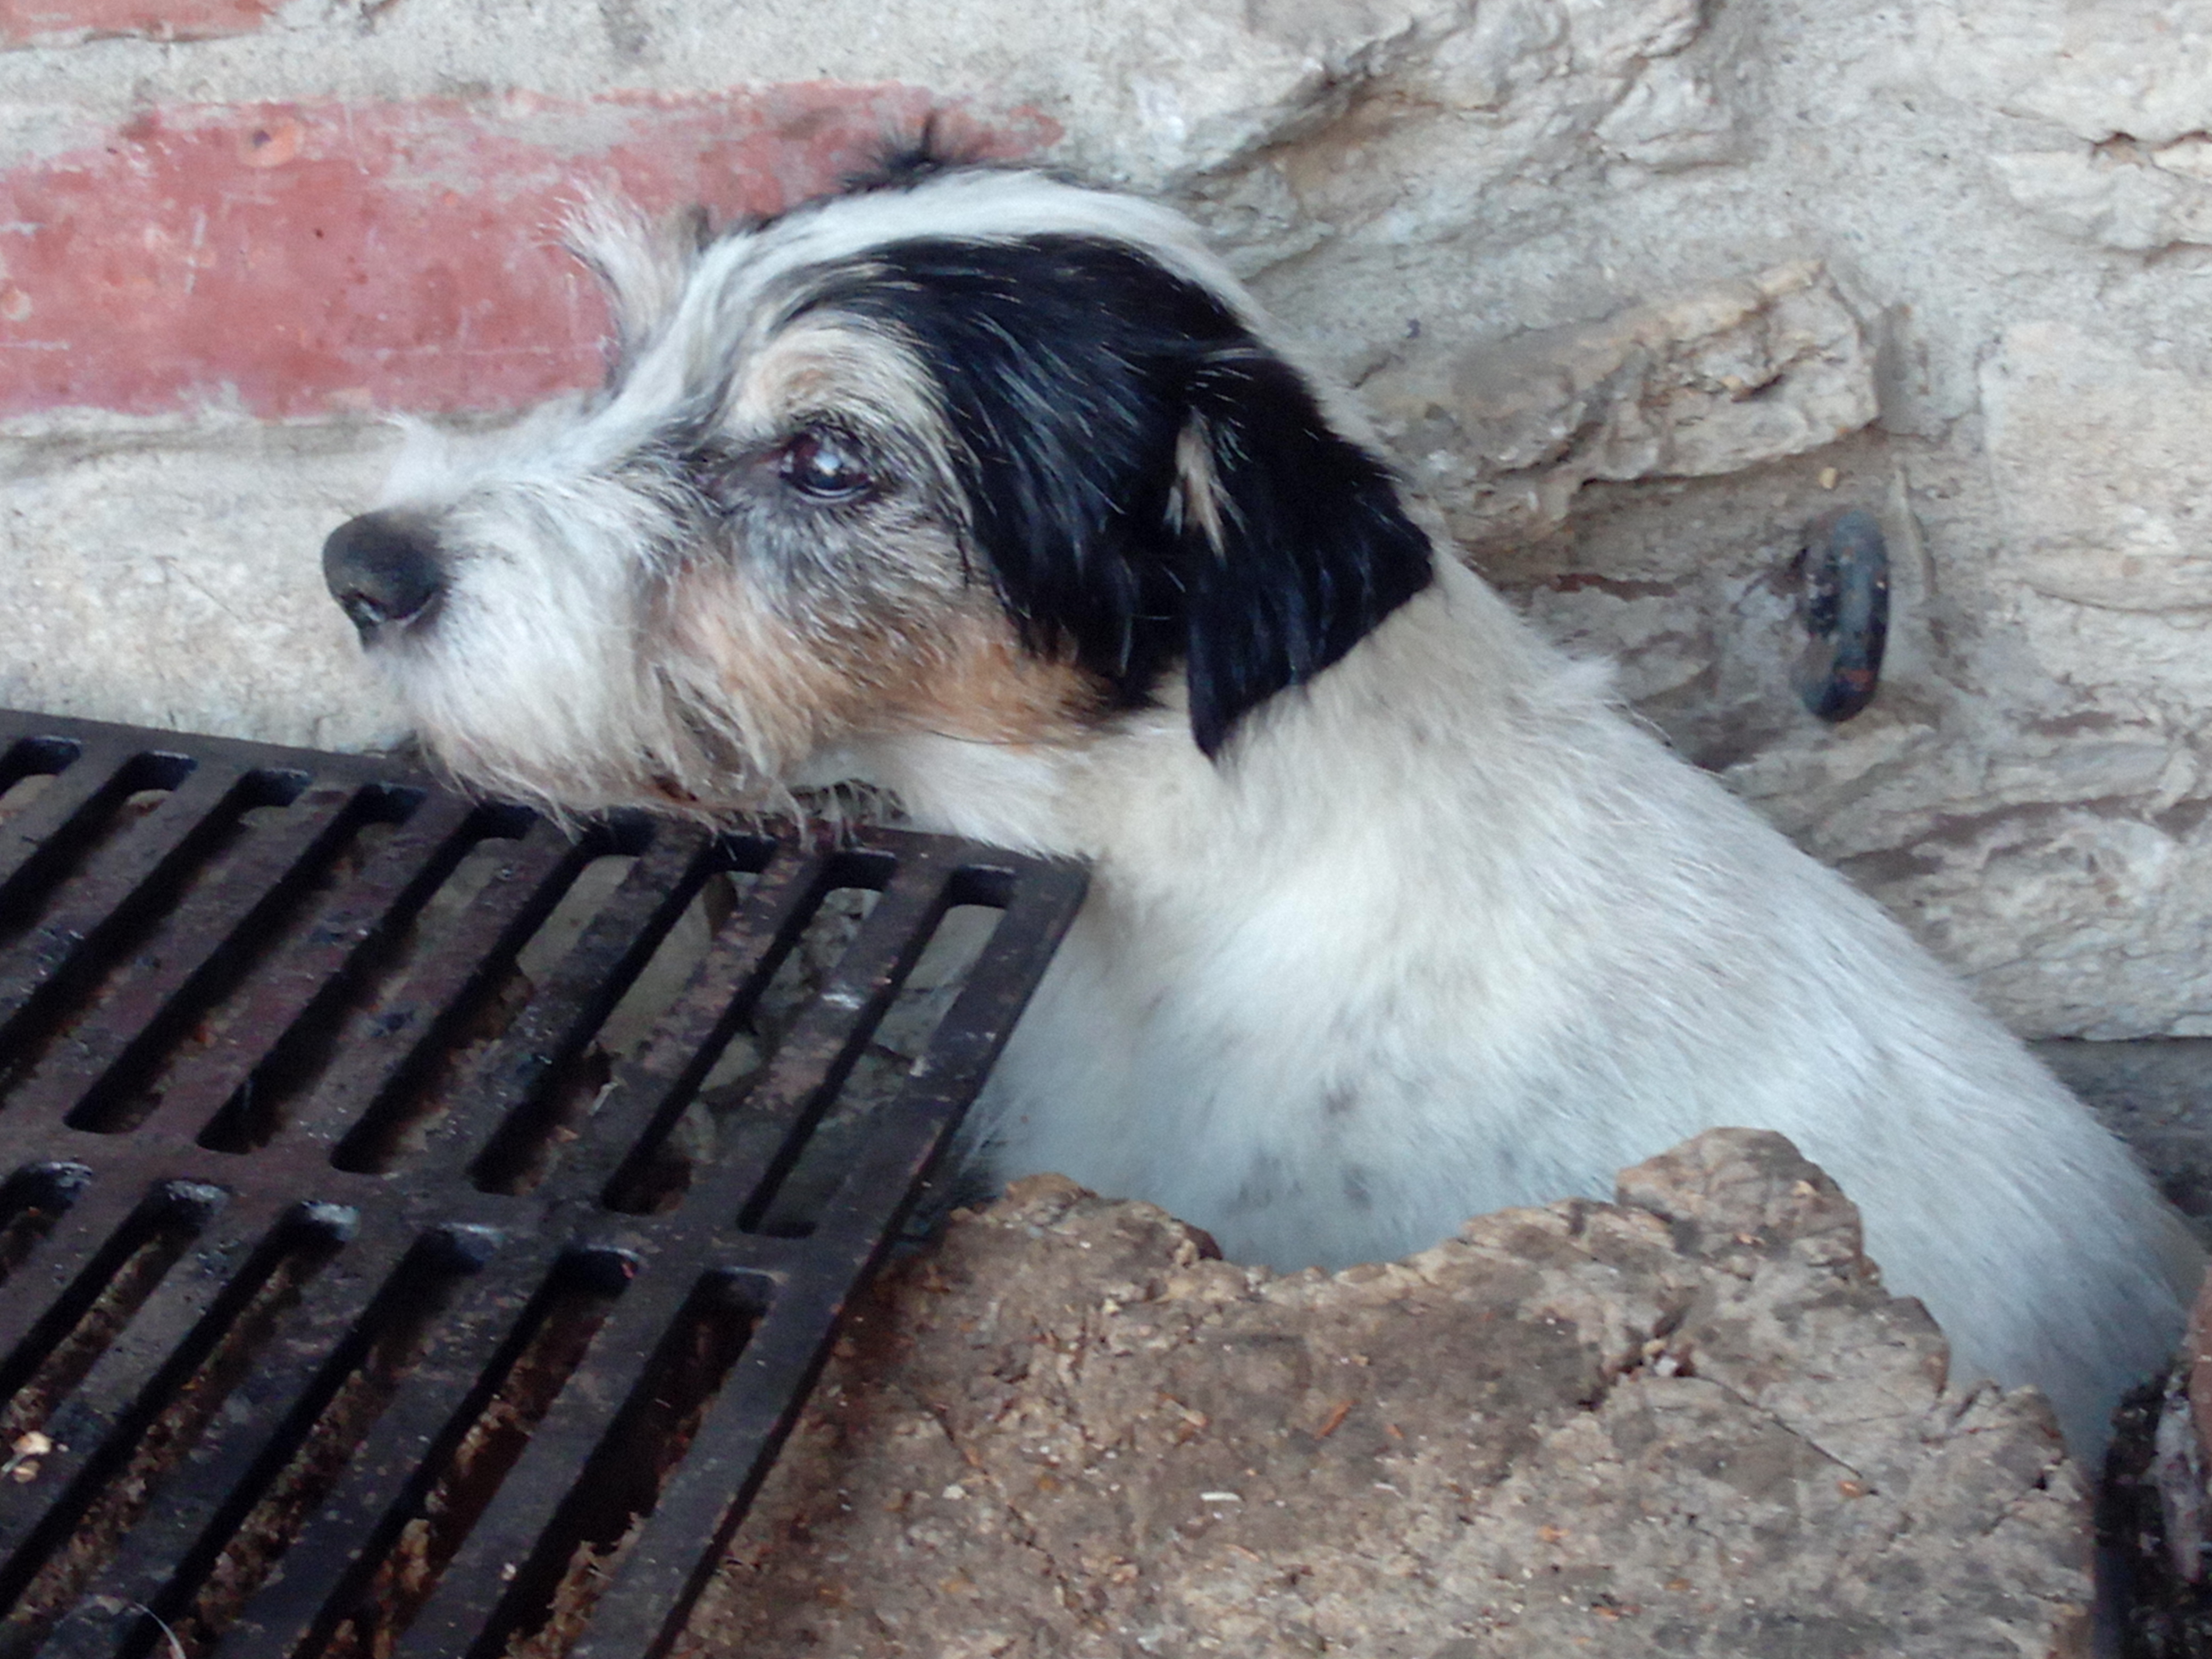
[382,568]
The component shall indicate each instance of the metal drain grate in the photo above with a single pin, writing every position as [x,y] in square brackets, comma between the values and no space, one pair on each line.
[387,1265]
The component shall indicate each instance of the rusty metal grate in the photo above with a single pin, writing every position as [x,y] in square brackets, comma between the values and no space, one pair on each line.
[418,1225]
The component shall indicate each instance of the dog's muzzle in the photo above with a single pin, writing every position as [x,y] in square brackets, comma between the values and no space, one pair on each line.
[383,570]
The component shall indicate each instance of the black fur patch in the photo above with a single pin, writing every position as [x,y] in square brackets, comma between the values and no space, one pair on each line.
[1069,368]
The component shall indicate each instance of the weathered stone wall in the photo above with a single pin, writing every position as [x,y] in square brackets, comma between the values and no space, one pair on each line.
[1637,286]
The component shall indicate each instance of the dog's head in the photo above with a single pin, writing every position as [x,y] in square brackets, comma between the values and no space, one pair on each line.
[959,450]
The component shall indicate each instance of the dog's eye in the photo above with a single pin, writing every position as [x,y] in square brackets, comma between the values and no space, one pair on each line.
[825,465]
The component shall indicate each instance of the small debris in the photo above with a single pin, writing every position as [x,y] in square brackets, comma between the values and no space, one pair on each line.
[22,1465]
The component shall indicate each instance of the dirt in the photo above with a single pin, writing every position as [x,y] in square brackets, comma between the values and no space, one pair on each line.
[1692,1422]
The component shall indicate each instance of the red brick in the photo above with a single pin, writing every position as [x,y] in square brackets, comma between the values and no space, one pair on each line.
[294,260]
[34,22]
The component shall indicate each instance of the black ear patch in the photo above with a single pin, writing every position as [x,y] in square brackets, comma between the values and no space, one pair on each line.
[1090,391]
[1305,550]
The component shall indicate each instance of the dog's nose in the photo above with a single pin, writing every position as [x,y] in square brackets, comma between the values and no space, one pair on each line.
[382,568]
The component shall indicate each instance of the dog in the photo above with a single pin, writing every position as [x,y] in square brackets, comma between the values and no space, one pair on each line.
[998,493]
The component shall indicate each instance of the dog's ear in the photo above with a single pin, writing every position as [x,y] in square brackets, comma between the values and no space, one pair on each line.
[1291,543]
[641,263]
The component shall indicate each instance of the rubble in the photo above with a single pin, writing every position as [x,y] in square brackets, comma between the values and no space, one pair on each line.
[1688,1422]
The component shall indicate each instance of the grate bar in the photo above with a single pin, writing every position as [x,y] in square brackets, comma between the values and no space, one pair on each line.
[742,1433]
[34,1200]
[869,1202]
[1036,909]
[118,891]
[489,1125]
[558,1459]
[384,1485]
[165,984]
[824,1040]
[652,1088]
[98,1425]
[421,1017]
[68,1268]
[295,986]
[678,1546]
[90,781]
[294,1372]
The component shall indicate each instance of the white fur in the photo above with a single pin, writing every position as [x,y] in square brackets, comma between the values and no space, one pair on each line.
[1446,933]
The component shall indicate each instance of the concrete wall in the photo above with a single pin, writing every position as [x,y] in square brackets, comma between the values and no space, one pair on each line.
[1637,286]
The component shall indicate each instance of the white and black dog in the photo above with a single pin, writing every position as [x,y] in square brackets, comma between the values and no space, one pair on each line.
[997,494]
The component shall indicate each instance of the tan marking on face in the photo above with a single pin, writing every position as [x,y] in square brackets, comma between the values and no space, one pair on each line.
[784,694]
[772,692]
[988,690]
[824,361]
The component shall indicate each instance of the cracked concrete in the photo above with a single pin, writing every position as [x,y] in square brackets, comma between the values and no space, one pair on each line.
[1689,1422]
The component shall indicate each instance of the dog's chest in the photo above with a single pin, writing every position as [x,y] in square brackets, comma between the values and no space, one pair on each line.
[1308,1065]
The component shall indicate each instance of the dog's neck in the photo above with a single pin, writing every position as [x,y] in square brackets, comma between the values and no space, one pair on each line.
[1140,794]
